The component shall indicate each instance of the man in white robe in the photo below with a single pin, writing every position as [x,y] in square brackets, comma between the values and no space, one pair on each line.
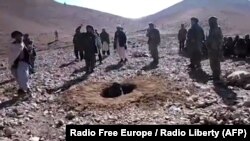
[19,62]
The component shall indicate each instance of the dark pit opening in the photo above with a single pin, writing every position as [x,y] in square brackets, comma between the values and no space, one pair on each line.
[116,90]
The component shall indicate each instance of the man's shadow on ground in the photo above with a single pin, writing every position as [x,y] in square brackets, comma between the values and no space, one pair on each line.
[150,66]
[67,64]
[228,96]
[14,101]
[199,75]
[68,84]
[113,67]
[6,82]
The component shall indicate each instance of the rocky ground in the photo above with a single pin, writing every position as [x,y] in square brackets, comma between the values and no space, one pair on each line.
[169,94]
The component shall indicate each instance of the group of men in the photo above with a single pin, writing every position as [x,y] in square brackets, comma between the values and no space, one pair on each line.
[88,44]
[195,41]
[237,47]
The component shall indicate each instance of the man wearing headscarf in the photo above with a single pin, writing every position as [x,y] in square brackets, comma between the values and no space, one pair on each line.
[120,41]
[105,42]
[90,49]
[19,62]
[98,45]
[214,45]
[195,39]
[154,41]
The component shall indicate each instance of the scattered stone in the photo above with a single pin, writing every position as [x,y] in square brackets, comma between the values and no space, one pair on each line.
[140,54]
[20,122]
[30,116]
[45,113]
[175,110]
[247,86]
[1,125]
[195,119]
[210,121]
[239,78]
[34,139]
[70,115]
[29,132]
[203,87]
[61,138]
[59,123]
[247,103]
[4,139]
[8,132]
[202,104]
[11,114]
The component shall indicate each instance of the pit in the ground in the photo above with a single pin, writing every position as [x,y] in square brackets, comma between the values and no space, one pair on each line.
[116,90]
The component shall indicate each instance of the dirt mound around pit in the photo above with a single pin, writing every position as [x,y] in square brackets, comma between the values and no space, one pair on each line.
[148,91]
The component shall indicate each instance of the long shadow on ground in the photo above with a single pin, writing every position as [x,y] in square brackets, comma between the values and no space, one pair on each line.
[13,101]
[199,76]
[68,84]
[67,64]
[149,67]
[6,82]
[228,96]
[113,67]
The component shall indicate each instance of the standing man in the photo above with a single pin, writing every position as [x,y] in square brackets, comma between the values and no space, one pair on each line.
[195,39]
[32,52]
[19,62]
[105,42]
[98,43]
[214,45]
[154,41]
[78,46]
[90,49]
[182,37]
[56,35]
[120,41]
[247,40]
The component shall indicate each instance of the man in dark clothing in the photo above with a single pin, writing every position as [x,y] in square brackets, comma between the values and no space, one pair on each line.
[182,37]
[154,40]
[32,52]
[247,40]
[56,35]
[78,45]
[195,39]
[236,39]
[229,47]
[120,41]
[214,45]
[105,42]
[90,49]
[241,48]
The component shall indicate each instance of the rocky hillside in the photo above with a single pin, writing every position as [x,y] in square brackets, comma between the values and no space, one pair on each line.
[233,15]
[46,15]
[41,18]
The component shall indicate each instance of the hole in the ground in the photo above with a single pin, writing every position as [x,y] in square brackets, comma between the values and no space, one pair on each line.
[116,90]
